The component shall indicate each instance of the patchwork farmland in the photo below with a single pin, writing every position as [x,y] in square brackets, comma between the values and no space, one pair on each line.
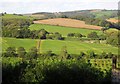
[76,46]
[73,47]
[62,30]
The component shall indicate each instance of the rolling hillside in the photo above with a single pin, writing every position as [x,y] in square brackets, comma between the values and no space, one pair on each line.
[68,23]
[96,13]
[62,30]
[75,47]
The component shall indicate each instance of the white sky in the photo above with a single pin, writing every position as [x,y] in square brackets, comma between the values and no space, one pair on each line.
[31,6]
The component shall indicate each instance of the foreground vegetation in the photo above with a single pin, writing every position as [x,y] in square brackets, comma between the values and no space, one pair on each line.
[52,71]
[29,67]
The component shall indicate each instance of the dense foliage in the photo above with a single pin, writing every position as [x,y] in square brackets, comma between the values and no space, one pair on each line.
[33,53]
[98,22]
[15,27]
[33,67]
[51,71]
[113,38]
[19,28]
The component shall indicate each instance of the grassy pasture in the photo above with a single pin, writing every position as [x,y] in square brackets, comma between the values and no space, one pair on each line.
[75,47]
[62,30]
[13,42]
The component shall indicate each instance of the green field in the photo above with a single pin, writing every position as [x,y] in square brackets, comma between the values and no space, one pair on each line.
[62,30]
[75,47]
[13,42]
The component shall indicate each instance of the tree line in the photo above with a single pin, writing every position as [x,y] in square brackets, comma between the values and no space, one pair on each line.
[97,22]
[19,28]
[91,19]
[33,53]
[14,27]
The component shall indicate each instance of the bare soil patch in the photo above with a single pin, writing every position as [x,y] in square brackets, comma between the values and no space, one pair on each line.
[68,23]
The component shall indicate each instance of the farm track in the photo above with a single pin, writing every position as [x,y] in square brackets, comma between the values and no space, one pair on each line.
[38,45]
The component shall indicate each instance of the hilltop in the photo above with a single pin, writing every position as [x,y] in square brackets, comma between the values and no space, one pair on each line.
[96,13]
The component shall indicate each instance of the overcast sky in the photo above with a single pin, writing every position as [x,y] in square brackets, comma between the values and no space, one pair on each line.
[31,6]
